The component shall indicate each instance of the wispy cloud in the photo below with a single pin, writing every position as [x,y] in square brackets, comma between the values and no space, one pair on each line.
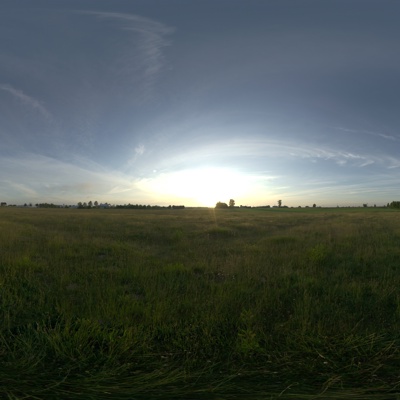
[38,178]
[26,100]
[23,189]
[149,39]
[367,162]
[139,150]
[393,162]
[268,149]
[363,131]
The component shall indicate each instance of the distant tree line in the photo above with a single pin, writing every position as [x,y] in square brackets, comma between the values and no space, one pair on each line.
[96,204]
[46,205]
[220,205]
[143,207]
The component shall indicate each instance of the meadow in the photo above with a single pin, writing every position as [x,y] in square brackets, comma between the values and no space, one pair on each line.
[199,304]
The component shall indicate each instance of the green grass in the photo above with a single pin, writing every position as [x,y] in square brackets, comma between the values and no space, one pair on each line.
[199,304]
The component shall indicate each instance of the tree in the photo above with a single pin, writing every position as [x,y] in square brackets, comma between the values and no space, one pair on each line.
[394,204]
[90,204]
[221,205]
[96,204]
[231,203]
[314,205]
[279,203]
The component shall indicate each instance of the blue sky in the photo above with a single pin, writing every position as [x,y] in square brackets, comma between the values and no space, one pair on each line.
[194,102]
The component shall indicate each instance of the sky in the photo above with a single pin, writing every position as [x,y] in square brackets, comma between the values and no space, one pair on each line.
[193,102]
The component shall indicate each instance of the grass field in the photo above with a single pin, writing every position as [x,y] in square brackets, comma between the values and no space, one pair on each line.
[199,304]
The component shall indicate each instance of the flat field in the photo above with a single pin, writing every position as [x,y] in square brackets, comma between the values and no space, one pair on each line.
[199,304]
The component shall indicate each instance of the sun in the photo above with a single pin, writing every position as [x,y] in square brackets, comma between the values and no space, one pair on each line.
[207,185]
[202,186]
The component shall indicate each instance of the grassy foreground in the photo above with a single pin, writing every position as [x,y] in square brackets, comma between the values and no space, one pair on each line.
[199,304]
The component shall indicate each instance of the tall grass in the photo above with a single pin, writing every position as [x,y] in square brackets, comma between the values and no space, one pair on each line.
[133,304]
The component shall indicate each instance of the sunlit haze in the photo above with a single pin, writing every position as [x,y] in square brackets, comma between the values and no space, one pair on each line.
[194,102]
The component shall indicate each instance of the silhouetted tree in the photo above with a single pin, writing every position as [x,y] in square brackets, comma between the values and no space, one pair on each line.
[221,205]
[279,203]
[231,203]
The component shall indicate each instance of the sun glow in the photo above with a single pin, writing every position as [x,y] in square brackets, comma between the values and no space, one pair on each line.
[202,186]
